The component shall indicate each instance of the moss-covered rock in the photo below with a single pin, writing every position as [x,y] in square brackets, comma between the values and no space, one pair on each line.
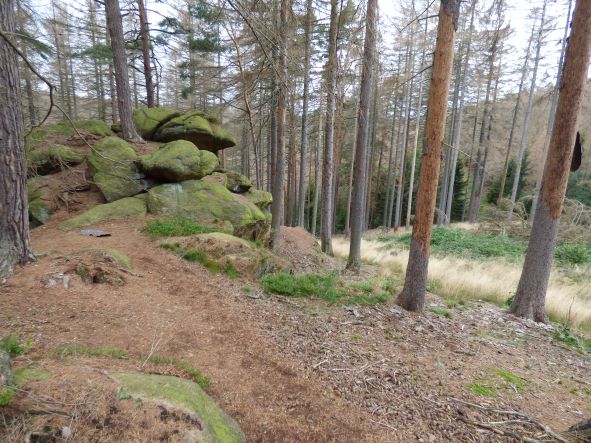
[123,208]
[178,161]
[147,120]
[5,369]
[196,127]
[203,202]
[237,182]
[261,199]
[114,172]
[216,425]
[48,159]
[41,201]
[217,177]
[96,127]
[25,375]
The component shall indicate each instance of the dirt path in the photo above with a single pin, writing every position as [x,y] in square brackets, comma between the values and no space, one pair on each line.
[191,315]
[297,369]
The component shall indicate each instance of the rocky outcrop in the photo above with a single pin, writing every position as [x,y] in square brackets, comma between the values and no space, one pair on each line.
[260,198]
[178,161]
[120,209]
[49,159]
[114,171]
[203,202]
[148,120]
[41,201]
[204,131]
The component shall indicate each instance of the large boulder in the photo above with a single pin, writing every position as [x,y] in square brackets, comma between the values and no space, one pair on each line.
[262,199]
[204,131]
[41,200]
[214,425]
[234,181]
[5,369]
[120,209]
[204,202]
[48,159]
[178,161]
[147,120]
[113,169]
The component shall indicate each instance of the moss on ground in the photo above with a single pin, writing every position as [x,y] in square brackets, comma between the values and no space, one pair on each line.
[119,209]
[25,375]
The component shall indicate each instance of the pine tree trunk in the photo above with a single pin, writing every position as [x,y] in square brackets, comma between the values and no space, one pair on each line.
[530,297]
[15,246]
[304,136]
[528,112]
[552,113]
[327,166]
[115,26]
[279,177]
[412,296]
[472,164]
[317,175]
[145,34]
[291,168]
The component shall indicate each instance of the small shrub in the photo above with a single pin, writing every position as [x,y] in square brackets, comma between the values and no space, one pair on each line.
[512,379]
[565,335]
[6,396]
[176,227]
[440,311]
[572,254]
[246,289]
[13,346]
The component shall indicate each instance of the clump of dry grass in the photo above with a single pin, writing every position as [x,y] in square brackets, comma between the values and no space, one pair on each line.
[469,279]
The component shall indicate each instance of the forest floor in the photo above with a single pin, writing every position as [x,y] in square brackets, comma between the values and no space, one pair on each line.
[286,369]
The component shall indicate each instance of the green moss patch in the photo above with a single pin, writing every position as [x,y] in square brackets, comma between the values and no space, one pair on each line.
[218,427]
[25,375]
[120,209]
[147,120]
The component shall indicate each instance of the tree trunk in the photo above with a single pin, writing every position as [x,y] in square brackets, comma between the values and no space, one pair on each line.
[317,175]
[15,246]
[412,296]
[359,179]
[552,113]
[472,163]
[279,178]
[145,34]
[327,166]
[115,26]
[291,168]
[304,136]
[528,112]
[514,121]
[531,292]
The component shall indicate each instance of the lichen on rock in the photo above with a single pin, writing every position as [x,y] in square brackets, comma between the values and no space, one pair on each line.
[119,209]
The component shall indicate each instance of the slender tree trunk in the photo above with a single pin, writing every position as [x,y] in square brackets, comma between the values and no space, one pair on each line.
[279,178]
[412,296]
[327,166]
[145,34]
[347,232]
[317,175]
[528,112]
[391,160]
[472,164]
[304,136]
[291,168]
[552,113]
[121,74]
[15,246]
[515,116]
[531,292]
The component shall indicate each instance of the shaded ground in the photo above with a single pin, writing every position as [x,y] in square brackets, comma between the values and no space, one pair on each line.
[285,369]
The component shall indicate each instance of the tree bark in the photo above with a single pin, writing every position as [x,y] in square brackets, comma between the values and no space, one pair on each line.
[359,179]
[291,213]
[15,245]
[304,136]
[115,26]
[145,34]
[279,177]
[531,292]
[412,296]
[327,166]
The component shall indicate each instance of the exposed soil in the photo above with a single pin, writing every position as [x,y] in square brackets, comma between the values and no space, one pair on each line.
[285,369]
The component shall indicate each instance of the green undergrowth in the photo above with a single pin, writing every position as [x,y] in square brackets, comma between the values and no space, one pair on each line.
[13,345]
[81,350]
[176,227]
[440,311]
[483,246]
[329,287]
[197,376]
[498,380]
[565,335]
[200,257]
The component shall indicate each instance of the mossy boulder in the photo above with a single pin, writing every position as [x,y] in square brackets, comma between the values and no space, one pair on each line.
[113,169]
[216,425]
[96,127]
[40,135]
[120,209]
[178,161]
[203,202]
[196,127]
[5,370]
[41,201]
[262,199]
[147,120]
[49,159]
[236,182]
